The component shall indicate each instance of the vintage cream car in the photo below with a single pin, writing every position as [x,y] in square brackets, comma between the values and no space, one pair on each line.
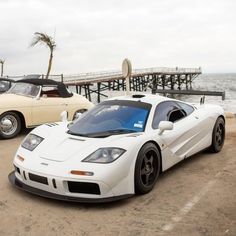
[32,102]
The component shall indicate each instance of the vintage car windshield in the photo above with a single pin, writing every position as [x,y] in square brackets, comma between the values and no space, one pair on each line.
[25,89]
[111,118]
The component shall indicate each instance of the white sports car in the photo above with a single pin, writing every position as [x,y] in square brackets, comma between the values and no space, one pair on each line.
[116,149]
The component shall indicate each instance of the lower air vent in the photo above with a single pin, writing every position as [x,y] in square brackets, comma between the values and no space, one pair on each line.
[39,179]
[17,169]
[82,187]
[51,124]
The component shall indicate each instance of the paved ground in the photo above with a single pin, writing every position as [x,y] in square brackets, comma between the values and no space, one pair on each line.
[196,197]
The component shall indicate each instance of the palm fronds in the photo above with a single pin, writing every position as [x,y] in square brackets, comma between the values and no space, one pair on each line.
[42,38]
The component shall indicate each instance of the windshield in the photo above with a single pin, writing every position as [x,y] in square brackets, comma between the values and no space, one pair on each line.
[25,89]
[111,118]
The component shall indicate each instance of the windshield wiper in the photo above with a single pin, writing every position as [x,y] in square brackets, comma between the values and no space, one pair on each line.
[108,133]
[114,131]
[77,134]
[104,134]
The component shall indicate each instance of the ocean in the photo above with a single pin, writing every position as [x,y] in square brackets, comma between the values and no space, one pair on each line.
[209,82]
[216,82]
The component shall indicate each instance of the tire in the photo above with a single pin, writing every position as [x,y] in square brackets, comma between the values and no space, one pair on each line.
[147,168]
[13,127]
[79,111]
[218,136]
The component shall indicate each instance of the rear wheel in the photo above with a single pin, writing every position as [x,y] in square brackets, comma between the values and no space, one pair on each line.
[10,125]
[218,135]
[147,168]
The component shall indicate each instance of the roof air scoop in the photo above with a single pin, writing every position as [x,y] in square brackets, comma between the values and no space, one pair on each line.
[138,96]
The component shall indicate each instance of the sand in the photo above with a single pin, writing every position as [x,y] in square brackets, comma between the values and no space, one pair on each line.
[196,197]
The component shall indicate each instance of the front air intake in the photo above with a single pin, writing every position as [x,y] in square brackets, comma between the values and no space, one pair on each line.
[83,187]
[37,178]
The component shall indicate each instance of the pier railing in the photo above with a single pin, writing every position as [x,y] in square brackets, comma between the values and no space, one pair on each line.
[116,74]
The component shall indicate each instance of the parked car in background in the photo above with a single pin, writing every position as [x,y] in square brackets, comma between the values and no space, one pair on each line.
[32,102]
[117,149]
[5,84]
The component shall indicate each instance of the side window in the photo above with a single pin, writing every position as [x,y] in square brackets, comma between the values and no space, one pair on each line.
[162,112]
[50,91]
[187,108]
[176,115]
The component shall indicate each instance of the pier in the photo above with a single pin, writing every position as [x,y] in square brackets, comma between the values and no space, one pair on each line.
[163,80]
[141,79]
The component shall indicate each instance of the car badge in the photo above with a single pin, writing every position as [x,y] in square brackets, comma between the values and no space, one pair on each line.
[45,164]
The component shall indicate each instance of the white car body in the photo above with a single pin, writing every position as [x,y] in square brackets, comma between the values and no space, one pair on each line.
[60,152]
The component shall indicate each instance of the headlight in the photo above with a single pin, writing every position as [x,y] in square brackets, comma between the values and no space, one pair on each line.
[105,155]
[31,142]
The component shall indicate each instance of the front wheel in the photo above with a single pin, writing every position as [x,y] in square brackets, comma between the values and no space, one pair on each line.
[10,125]
[218,135]
[147,168]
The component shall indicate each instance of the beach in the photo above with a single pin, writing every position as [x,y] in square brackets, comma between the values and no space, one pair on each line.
[196,197]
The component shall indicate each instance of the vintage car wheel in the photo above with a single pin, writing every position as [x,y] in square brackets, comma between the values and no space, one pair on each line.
[218,135]
[81,111]
[147,168]
[10,125]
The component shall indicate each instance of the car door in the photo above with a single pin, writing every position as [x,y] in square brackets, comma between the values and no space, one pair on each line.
[48,107]
[179,141]
[199,133]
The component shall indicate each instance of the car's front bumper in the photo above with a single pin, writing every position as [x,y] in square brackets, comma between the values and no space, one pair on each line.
[20,185]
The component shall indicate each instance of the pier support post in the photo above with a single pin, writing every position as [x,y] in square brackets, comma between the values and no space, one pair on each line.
[99,91]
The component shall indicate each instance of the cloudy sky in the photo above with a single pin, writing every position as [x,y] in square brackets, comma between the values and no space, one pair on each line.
[95,35]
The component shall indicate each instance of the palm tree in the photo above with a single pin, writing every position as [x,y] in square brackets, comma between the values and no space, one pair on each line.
[2,63]
[42,38]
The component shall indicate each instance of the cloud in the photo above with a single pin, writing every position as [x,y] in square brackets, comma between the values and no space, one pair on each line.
[96,35]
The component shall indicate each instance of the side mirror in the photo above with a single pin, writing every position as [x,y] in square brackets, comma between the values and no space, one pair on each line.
[64,117]
[165,125]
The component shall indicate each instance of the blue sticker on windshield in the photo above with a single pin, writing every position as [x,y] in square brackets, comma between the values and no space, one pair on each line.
[139,124]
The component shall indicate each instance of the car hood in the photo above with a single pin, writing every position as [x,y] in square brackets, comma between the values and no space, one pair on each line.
[60,146]
[65,148]
[9,101]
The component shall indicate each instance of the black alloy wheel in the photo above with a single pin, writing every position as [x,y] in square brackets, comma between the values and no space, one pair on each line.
[147,168]
[218,135]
